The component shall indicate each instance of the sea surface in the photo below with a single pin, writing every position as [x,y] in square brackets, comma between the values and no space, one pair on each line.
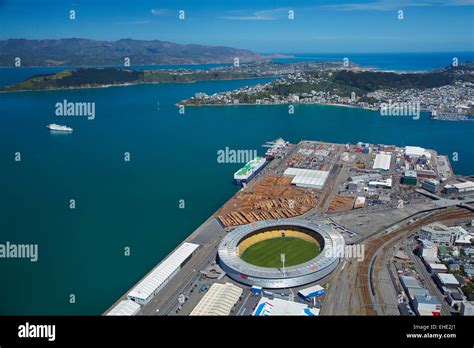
[135,204]
[389,61]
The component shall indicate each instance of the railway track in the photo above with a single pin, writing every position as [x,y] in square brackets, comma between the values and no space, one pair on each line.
[365,290]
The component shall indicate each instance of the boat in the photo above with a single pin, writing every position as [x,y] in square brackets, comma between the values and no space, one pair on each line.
[275,147]
[58,127]
[247,172]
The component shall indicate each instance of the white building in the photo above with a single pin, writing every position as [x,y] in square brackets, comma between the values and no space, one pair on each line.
[427,305]
[144,291]
[440,234]
[416,151]
[467,308]
[307,177]
[125,307]
[464,186]
[429,251]
[276,306]
[382,161]
[387,183]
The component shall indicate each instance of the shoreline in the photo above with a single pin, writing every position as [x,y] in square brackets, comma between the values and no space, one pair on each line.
[129,84]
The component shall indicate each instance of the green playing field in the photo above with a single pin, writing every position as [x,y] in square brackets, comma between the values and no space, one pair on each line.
[267,253]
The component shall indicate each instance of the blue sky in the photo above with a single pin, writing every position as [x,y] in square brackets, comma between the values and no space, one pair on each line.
[260,25]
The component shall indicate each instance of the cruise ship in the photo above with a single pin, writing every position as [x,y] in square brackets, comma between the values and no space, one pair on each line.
[247,172]
[58,127]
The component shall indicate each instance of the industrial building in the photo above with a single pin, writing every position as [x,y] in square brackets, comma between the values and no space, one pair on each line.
[382,161]
[365,177]
[125,307]
[409,282]
[446,280]
[387,183]
[430,185]
[412,292]
[467,308]
[276,306]
[426,305]
[463,187]
[219,300]
[311,292]
[410,178]
[309,178]
[144,291]
[416,151]
[437,267]
[429,251]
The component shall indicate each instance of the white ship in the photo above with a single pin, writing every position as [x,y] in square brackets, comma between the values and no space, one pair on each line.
[58,127]
[246,173]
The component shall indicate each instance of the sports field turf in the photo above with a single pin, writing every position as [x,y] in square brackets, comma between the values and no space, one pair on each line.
[267,253]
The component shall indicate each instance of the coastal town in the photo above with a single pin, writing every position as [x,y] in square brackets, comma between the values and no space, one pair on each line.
[453,101]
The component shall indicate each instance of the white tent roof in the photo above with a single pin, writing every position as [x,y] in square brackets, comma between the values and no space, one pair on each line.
[162,272]
[307,177]
[382,161]
[125,307]
[219,300]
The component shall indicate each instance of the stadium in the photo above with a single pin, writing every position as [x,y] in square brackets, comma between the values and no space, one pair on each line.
[251,254]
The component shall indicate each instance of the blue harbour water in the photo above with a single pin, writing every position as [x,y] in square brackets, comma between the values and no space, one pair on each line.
[135,204]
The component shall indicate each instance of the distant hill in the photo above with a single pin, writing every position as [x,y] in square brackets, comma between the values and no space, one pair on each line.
[84,52]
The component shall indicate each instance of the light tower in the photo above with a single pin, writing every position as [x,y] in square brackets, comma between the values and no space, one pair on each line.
[282,258]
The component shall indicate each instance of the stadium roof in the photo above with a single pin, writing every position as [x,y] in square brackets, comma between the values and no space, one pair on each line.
[125,307]
[228,249]
[276,306]
[219,300]
[307,177]
[382,161]
[162,272]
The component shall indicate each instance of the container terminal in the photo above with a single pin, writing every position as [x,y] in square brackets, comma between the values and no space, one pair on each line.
[325,229]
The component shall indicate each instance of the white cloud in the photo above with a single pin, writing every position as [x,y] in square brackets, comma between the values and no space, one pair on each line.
[389,5]
[261,15]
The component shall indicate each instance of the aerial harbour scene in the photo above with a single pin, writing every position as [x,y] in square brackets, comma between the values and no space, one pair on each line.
[264,165]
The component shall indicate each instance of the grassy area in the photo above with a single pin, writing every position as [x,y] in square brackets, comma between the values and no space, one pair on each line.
[267,253]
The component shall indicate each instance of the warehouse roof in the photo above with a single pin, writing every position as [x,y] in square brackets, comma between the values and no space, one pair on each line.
[447,279]
[276,306]
[464,185]
[410,282]
[162,272]
[382,161]
[311,290]
[125,307]
[416,151]
[307,177]
[437,266]
[219,300]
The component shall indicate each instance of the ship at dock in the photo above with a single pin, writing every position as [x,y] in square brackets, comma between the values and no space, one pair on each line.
[59,128]
[247,172]
[275,148]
